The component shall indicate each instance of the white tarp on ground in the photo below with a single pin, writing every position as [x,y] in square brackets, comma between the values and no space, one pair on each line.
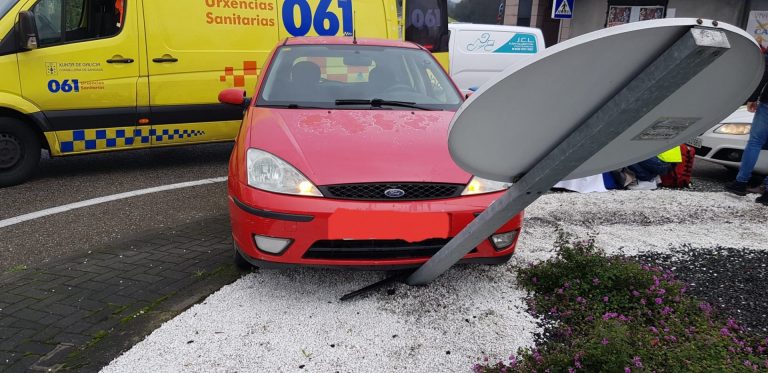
[283,320]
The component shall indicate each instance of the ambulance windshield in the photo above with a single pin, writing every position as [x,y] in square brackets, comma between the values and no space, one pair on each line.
[6,5]
[350,76]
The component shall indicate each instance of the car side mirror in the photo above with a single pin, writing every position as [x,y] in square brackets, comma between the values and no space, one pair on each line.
[234,96]
[27,31]
[469,92]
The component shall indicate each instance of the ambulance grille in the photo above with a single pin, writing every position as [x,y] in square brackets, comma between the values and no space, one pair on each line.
[377,191]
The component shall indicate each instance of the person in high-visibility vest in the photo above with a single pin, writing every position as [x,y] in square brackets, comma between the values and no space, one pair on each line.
[649,169]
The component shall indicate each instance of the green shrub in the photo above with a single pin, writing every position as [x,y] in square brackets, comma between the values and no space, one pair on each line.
[610,314]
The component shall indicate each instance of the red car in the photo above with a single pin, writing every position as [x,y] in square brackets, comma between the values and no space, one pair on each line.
[342,160]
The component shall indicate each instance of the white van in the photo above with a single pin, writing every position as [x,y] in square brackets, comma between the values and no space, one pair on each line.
[478,52]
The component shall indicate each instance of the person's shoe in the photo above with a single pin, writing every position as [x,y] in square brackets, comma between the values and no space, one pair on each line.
[737,188]
[643,185]
[762,199]
[759,189]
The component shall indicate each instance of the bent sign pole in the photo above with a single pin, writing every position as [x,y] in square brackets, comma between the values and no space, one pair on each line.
[697,49]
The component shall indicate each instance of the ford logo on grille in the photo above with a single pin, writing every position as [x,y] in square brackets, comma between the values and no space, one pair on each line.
[394,193]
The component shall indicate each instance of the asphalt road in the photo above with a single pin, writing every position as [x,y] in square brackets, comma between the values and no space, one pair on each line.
[61,181]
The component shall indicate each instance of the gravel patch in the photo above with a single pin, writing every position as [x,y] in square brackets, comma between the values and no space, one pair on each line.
[733,280]
[292,321]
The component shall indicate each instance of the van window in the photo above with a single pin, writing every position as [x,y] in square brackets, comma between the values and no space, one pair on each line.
[66,21]
[5,6]
[426,23]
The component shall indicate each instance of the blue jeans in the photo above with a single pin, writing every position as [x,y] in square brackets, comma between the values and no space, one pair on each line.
[648,169]
[758,135]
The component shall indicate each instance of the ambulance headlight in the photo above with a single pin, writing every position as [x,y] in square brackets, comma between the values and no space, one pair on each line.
[270,173]
[479,185]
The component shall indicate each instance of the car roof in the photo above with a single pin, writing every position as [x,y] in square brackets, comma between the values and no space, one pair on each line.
[346,40]
[484,27]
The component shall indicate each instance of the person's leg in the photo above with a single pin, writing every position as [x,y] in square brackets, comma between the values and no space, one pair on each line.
[648,169]
[640,172]
[757,138]
[758,134]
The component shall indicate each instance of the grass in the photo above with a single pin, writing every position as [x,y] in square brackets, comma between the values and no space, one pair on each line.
[222,270]
[116,308]
[17,268]
[96,338]
[609,314]
[145,309]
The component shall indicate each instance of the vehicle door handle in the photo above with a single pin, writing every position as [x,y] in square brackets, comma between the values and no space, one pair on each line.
[120,60]
[165,59]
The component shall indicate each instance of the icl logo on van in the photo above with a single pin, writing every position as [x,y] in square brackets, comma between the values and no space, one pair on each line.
[518,43]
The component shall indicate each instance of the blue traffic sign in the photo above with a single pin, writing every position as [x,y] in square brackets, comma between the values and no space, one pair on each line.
[562,9]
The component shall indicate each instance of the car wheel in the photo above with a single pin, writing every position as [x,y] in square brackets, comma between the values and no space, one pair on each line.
[19,151]
[241,262]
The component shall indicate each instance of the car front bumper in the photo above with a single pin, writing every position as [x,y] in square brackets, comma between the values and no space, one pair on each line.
[727,150]
[360,234]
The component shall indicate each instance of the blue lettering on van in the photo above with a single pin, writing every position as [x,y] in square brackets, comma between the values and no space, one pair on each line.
[64,86]
[483,43]
[519,43]
[322,20]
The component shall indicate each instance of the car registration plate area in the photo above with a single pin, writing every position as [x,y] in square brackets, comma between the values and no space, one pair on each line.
[345,224]
[696,143]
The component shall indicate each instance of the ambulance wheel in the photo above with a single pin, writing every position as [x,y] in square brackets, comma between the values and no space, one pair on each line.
[19,151]
[241,262]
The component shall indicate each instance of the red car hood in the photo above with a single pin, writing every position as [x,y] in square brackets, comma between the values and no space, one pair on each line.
[359,146]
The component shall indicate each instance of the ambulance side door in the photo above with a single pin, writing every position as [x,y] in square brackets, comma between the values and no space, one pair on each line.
[84,73]
[195,50]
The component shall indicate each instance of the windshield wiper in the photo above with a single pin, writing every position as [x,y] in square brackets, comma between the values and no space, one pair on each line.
[377,102]
[293,106]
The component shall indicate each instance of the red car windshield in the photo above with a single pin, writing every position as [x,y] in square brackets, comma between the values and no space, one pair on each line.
[351,76]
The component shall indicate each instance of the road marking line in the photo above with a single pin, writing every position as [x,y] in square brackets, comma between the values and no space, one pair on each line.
[96,201]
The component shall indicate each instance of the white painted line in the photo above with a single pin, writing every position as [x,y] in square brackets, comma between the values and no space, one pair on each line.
[96,201]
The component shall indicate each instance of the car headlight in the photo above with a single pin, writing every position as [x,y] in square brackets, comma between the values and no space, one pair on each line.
[734,129]
[479,185]
[270,173]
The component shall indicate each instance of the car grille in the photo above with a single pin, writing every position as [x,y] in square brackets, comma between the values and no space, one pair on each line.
[375,249]
[703,151]
[730,155]
[377,191]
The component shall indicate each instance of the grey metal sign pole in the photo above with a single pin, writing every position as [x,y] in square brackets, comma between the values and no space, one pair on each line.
[686,58]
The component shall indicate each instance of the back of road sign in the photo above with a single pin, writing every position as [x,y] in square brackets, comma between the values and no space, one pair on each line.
[517,118]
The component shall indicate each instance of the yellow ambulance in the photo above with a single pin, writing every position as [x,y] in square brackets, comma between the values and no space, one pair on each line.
[85,76]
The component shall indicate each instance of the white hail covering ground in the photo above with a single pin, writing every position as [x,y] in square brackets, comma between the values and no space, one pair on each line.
[283,320]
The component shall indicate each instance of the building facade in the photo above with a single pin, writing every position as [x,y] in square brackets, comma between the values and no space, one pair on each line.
[591,15]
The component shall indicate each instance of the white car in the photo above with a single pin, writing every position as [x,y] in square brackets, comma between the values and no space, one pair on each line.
[724,143]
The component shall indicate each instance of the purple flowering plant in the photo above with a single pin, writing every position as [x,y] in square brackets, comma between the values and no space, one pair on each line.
[604,322]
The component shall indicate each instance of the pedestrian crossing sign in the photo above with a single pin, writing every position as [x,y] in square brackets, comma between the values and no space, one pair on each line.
[562,9]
